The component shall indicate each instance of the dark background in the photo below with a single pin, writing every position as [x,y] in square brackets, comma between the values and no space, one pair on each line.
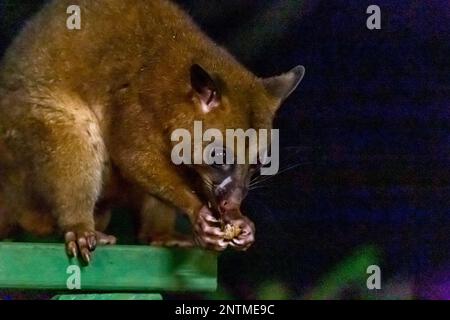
[369,132]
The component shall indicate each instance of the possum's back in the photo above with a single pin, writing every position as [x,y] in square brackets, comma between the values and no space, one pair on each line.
[114,36]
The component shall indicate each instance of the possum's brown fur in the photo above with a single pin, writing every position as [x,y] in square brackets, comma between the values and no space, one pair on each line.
[86,115]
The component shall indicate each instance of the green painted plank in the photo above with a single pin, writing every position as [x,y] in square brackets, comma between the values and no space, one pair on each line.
[109,296]
[114,268]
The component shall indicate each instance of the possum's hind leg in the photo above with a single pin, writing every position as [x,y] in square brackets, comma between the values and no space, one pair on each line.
[65,154]
[158,225]
[102,217]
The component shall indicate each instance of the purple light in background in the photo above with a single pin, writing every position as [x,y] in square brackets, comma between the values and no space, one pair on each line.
[437,287]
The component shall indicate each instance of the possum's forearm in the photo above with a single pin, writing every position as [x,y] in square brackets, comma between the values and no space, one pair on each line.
[175,193]
[159,179]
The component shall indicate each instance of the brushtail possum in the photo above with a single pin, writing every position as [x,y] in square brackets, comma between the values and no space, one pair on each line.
[86,118]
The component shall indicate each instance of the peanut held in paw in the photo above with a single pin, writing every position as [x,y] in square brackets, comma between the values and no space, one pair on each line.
[230,232]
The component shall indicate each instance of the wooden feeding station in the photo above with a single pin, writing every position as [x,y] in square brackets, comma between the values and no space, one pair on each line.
[115,273]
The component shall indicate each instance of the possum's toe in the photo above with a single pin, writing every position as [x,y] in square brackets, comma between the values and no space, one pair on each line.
[81,244]
[105,239]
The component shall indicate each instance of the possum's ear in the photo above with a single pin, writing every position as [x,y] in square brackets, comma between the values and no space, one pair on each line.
[205,88]
[282,86]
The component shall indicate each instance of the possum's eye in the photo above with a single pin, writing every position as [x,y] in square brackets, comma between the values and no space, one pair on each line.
[218,158]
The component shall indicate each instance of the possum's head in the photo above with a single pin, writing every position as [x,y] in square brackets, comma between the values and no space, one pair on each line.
[227,103]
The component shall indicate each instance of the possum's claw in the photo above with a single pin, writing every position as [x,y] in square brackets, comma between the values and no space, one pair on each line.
[72,249]
[80,243]
[83,243]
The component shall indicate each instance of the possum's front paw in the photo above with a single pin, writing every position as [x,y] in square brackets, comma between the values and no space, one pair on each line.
[208,232]
[83,242]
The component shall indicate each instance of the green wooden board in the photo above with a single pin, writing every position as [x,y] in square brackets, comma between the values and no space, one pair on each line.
[34,266]
[110,296]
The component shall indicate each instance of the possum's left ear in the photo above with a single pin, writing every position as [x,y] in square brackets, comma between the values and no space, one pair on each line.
[205,88]
[282,86]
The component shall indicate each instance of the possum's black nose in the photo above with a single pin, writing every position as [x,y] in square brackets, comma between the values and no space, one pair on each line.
[232,201]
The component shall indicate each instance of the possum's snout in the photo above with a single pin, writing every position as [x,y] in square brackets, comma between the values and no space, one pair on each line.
[229,196]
